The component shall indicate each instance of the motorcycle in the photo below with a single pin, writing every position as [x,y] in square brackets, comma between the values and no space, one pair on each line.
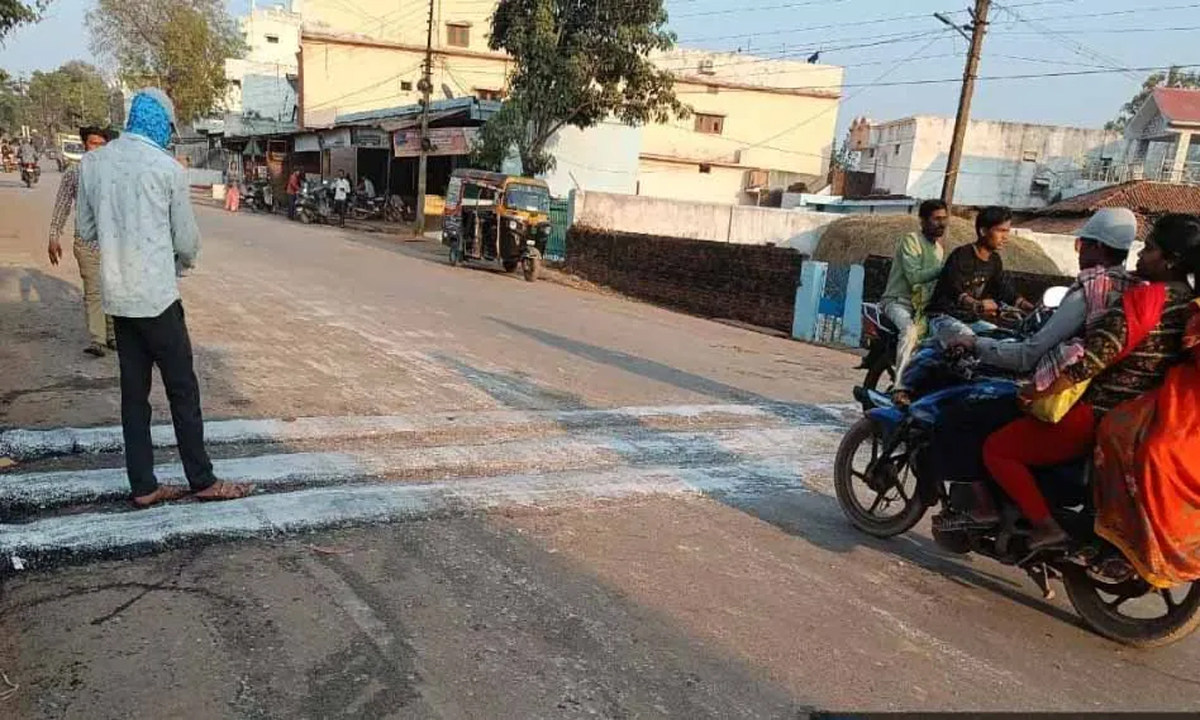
[397,210]
[260,196]
[1098,580]
[315,203]
[365,208]
[30,174]
[883,339]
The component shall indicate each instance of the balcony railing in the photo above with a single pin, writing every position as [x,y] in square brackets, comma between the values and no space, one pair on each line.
[1165,172]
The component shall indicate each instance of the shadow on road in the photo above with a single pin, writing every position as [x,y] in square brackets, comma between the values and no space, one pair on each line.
[807,515]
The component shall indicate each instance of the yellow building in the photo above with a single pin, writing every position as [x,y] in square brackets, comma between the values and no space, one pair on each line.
[757,122]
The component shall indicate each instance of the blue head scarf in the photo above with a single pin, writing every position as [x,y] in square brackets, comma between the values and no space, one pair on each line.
[152,115]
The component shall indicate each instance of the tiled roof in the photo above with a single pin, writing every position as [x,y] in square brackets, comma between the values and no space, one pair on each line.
[1141,196]
[1178,104]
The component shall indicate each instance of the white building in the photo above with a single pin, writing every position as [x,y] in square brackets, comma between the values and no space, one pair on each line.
[262,85]
[1015,164]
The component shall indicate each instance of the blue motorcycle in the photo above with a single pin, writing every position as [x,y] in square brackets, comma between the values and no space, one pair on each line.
[889,456]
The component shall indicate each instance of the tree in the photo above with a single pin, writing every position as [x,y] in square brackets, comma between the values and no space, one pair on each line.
[503,130]
[68,98]
[577,63]
[1174,77]
[13,104]
[14,13]
[177,45]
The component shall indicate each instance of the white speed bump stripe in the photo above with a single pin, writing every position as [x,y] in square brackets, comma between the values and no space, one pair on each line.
[23,444]
[42,542]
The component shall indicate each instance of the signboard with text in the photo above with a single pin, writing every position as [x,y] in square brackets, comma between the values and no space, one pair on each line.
[446,141]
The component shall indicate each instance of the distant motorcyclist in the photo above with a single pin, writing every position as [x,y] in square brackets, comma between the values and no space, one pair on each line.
[27,154]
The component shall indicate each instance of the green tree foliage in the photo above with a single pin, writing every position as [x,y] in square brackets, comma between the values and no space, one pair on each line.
[1174,77]
[577,63]
[68,98]
[177,45]
[14,13]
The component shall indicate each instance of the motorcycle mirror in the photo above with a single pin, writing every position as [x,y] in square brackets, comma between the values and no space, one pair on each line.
[1053,297]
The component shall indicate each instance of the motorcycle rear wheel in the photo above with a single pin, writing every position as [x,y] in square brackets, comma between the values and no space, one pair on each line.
[845,475]
[1103,616]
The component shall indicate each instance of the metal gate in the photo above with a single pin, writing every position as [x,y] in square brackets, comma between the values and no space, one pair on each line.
[556,249]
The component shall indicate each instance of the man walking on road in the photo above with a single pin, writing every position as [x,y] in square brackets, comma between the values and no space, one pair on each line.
[134,203]
[87,255]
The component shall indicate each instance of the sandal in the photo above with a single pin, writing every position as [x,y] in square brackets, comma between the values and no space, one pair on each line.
[164,494]
[221,490]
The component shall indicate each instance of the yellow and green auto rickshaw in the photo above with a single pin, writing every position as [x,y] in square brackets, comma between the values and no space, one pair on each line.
[497,218]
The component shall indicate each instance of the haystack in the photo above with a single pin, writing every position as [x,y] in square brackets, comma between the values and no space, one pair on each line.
[852,239]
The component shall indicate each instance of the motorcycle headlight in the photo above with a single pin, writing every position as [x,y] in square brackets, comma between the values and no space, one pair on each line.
[514,225]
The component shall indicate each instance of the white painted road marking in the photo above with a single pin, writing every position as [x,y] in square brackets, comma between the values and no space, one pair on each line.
[41,542]
[23,444]
[31,491]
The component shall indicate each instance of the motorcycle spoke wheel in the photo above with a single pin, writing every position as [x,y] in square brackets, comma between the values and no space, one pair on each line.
[888,509]
[1131,611]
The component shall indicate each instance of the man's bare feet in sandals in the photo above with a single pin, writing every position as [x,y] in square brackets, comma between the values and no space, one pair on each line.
[221,490]
[164,494]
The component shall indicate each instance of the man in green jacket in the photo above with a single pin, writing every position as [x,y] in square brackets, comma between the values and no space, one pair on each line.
[915,269]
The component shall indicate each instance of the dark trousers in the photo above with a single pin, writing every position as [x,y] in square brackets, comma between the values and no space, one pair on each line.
[292,206]
[143,343]
[339,208]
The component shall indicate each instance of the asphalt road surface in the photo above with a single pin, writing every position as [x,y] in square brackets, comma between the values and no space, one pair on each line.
[480,498]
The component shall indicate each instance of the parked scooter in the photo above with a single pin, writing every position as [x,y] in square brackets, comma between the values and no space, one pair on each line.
[315,203]
[30,172]
[260,196]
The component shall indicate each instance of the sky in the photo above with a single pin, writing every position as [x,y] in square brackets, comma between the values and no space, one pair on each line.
[1026,37]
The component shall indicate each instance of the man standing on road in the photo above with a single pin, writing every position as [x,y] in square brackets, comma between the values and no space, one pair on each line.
[293,193]
[87,255]
[341,193]
[134,202]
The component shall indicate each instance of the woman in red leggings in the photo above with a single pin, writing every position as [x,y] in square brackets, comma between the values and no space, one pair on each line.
[1128,351]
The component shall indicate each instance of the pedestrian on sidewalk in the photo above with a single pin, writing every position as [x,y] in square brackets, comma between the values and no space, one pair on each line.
[87,255]
[293,193]
[341,195]
[134,201]
[233,196]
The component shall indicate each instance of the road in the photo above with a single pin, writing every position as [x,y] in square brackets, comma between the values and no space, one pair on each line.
[480,498]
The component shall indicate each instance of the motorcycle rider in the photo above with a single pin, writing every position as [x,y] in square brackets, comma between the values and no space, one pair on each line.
[915,267]
[1127,352]
[972,280]
[366,188]
[27,154]
[1103,248]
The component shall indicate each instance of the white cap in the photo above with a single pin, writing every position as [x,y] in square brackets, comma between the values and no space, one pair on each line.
[1114,227]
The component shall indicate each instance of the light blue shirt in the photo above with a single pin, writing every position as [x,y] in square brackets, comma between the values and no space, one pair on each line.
[135,202]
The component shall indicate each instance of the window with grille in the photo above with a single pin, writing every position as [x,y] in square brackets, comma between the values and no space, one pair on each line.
[486,94]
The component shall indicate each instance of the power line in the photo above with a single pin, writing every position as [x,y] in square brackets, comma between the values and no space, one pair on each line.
[1070,43]
[785,6]
[753,60]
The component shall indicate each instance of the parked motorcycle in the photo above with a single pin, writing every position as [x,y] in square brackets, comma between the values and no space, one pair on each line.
[1099,582]
[30,173]
[260,196]
[315,203]
[365,208]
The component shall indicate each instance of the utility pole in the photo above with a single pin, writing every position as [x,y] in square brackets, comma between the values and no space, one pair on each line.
[978,28]
[426,88]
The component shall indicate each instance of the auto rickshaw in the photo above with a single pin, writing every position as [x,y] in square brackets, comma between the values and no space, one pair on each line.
[497,218]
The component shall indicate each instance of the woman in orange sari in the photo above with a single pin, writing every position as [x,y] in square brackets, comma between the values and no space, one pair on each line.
[1147,482]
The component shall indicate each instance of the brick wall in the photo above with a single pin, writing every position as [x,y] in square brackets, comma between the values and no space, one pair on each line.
[1029,285]
[755,284]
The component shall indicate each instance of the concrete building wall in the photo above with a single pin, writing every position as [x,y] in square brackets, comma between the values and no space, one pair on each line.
[264,57]
[713,221]
[1014,164]
[602,159]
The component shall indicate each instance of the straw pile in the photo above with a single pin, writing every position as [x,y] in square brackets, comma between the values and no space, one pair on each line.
[852,239]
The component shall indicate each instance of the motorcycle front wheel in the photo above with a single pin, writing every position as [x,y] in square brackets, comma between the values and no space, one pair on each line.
[888,481]
[1131,611]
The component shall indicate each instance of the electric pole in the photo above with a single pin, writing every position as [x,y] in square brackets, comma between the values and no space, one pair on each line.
[978,28]
[426,88]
